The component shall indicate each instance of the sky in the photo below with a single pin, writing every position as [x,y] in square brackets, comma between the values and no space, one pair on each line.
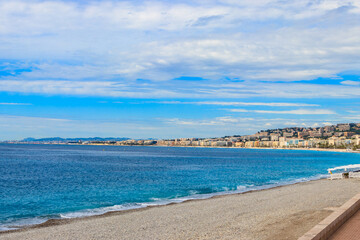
[171,69]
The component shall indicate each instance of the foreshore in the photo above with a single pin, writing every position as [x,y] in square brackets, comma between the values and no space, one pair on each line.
[284,212]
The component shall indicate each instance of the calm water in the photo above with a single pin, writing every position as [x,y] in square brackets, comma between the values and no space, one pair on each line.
[38,182]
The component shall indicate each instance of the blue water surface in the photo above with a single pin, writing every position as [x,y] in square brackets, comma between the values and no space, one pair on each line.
[39,182]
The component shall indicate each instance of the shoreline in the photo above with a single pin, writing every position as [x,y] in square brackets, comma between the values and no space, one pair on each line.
[61,221]
[197,197]
[251,202]
[264,148]
[201,197]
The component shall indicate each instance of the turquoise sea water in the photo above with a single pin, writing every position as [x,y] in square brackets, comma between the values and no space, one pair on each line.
[40,182]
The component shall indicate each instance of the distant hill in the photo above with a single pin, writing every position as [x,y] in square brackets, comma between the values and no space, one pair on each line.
[59,139]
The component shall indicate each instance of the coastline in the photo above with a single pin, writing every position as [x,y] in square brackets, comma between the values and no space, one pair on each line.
[264,148]
[165,202]
[71,218]
[305,202]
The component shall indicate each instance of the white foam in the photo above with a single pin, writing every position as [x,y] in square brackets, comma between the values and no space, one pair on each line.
[3,228]
[193,192]
[100,211]
[22,223]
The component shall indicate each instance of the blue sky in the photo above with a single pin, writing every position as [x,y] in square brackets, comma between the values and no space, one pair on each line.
[166,69]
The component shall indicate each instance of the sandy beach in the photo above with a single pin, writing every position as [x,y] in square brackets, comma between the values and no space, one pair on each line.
[279,213]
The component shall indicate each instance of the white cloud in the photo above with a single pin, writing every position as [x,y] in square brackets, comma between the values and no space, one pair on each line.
[221,103]
[354,118]
[219,121]
[158,40]
[298,112]
[153,14]
[82,88]
[15,104]
[221,126]
[29,118]
[200,90]
[227,119]
[238,110]
[291,123]
[286,90]
[351,83]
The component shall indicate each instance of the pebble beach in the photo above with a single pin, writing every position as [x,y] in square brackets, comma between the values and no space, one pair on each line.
[285,212]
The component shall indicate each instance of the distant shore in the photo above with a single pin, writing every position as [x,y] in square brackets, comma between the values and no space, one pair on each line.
[308,149]
[268,148]
[284,212]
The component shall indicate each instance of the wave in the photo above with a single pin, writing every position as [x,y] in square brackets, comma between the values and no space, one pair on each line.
[20,223]
[193,195]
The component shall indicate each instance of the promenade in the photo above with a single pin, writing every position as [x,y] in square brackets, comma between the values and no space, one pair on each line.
[343,223]
[350,230]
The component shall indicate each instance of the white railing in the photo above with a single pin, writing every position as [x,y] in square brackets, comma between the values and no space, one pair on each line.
[335,176]
[341,175]
[354,174]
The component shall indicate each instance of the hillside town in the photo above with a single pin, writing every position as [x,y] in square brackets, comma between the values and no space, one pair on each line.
[340,136]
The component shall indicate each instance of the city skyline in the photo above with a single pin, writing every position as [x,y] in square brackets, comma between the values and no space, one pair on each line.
[159,69]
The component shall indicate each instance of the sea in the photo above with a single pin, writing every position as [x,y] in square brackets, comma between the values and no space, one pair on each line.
[42,182]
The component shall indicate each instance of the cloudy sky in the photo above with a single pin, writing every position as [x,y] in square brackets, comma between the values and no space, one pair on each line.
[166,69]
